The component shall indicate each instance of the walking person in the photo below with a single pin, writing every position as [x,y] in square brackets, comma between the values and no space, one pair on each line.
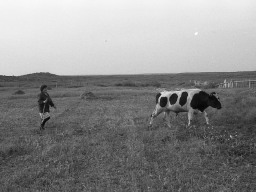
[44,103]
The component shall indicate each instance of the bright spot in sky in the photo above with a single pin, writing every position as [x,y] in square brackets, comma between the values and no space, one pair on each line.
[196,33]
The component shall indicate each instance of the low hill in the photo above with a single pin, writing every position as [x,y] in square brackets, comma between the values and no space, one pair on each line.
[39,76]
[4,78]
[29,77]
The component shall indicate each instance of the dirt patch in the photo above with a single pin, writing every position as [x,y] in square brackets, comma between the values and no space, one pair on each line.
[13,152]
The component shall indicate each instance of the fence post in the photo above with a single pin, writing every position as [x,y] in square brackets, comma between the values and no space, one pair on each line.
[249,83]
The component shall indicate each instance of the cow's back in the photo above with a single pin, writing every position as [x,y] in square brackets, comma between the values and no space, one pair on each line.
[177,101]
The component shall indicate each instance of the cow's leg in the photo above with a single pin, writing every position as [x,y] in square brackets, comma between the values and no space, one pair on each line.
[155,113]
[165,114]
[206,118]
[190,117]
[168,119]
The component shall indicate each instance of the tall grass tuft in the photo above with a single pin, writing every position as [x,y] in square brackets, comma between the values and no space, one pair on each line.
[237,109]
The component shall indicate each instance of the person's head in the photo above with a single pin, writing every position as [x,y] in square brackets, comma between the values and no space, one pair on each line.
[43,88]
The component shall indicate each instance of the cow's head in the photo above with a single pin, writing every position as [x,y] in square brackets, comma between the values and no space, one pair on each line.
[214,100]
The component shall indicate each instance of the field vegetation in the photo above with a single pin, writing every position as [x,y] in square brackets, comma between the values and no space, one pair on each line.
[142,80]
[104,144]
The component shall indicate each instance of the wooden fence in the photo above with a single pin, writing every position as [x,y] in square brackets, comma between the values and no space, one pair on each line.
[238,84]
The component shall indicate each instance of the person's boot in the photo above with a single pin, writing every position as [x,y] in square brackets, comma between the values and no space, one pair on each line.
[41,126]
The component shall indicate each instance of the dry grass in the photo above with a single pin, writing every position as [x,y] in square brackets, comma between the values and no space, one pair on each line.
[105,145]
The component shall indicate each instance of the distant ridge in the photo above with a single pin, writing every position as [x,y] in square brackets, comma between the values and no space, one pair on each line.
[185,76]
[39,74]
[4,78]
[29,77]
[47,74]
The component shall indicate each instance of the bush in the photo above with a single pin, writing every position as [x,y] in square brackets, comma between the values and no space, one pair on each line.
[155,84]
[74,86]
[102,85]
[126,84]
[19,92]
[138,84]
[211,85]
[87,95]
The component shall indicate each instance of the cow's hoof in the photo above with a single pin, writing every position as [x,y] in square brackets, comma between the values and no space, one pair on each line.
[209,126]
[190,126]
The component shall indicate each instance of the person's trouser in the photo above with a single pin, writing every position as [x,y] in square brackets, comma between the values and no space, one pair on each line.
[44,117]
[44,121]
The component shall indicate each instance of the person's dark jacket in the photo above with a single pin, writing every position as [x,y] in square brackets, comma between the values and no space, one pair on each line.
[44,107]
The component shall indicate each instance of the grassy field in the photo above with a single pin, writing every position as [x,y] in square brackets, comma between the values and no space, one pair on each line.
[104,144]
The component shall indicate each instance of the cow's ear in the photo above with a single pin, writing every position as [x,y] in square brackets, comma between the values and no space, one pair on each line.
[212,93]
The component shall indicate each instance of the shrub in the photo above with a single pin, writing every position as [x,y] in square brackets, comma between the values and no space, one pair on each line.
[19,92]
[211,85]
[138,84]
[74,86]
[87,95]
[101,85]
[126,84]
[155,84]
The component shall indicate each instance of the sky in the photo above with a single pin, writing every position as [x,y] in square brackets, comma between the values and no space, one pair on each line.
[91,37]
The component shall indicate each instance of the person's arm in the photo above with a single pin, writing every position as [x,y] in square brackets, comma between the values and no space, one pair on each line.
[51,103]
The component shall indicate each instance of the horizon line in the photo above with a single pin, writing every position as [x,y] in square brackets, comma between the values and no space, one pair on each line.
[116,74]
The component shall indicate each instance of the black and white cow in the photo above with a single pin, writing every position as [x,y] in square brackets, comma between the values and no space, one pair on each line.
[186,100]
